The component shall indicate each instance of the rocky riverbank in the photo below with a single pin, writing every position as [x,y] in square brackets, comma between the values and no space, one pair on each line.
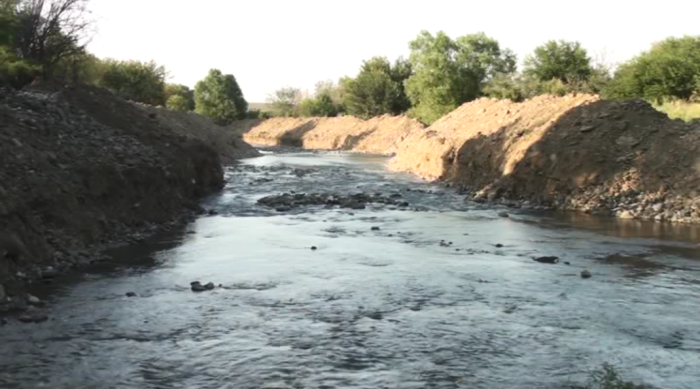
[576,152]
[81,168]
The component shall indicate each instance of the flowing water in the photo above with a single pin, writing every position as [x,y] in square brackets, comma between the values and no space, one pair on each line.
[444,295]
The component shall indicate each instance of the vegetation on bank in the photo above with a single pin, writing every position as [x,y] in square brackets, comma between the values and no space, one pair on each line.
[442,73]
[46,39]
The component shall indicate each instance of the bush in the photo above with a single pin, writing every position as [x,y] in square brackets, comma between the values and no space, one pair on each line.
[257,114]
[670,70]
[179,97]
[561,60]
[219,97]
[678,109]
[322,105]
[378,89]
[285,101]
[134,80]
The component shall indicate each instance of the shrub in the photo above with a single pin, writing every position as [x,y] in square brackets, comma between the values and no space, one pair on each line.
[219,97]
[134,80]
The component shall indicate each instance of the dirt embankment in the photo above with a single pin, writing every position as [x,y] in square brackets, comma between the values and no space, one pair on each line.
[80,167]
[573,152]
[379,135]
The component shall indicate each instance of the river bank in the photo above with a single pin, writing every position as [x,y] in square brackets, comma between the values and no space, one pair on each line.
[82,169]
[577,152]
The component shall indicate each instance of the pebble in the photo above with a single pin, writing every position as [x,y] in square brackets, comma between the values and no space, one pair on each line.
[549,259]
[498,246]
[314,248]
[503,214]
[131,294]
[33,300]
[586,274]
[197,287]
[375,228]
[33,319]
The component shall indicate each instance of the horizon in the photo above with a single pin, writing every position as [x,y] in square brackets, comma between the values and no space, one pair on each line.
[319,45]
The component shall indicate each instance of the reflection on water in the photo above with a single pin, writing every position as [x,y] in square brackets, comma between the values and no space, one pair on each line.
[443,295]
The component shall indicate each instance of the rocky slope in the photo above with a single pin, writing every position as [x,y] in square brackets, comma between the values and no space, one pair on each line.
[379,135]
[574,152]
[80,167]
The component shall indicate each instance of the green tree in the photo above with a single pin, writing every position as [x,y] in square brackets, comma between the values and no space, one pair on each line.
[219,97]
[670,70]
[14,71]
[48,31]
[143,82]
[561,60]
[378,88]
[285,101]
[448,73]
[179,97]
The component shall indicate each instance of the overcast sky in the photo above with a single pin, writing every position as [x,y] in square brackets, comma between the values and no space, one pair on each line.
[268,44]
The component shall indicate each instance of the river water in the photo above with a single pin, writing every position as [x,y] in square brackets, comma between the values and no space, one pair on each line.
[398,307]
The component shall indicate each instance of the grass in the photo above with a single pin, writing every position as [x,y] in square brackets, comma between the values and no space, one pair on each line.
[680,110]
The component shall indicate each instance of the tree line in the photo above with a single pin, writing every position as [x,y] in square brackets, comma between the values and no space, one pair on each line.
[46,39]
[442,73]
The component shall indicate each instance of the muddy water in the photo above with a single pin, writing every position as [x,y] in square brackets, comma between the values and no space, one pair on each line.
[444,295]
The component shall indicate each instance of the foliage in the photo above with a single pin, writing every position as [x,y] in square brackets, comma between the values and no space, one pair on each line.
[322,105]
[179,97]
[561,60]
[48,31]
[378,88]
[609,378]
[14,71]
[219,97]
[257,114]
[671,69]
[134,80]
[448,73]
[285,101]
[82,68]
[679,109]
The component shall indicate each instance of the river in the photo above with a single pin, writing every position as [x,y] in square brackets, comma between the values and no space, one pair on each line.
[443,294]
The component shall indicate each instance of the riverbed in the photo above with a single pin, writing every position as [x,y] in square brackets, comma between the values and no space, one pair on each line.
[443,293]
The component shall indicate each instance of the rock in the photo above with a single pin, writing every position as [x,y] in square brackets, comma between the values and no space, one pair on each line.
[314,248]
[3,322]
[210,286]
[49,273]
[550,260]
[503,214]
[625,215]
[3,296]
[567,263]
[131,294]
[33,300]
[658,207]
[197,287]
[38,318]
[212,212]
[586,274]
[375,228]
[498,246]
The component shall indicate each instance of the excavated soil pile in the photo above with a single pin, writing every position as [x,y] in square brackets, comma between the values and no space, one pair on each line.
[229,144]
[379,135]
[79,167]
[573,152]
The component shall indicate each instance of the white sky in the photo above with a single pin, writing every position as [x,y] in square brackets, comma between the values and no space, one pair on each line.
[269,44]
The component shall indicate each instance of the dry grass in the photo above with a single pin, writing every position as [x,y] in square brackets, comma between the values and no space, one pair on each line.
[680,110]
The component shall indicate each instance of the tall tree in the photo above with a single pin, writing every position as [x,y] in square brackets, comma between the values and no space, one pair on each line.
[219,97]
[561,60]
[448,73]
[50,30]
